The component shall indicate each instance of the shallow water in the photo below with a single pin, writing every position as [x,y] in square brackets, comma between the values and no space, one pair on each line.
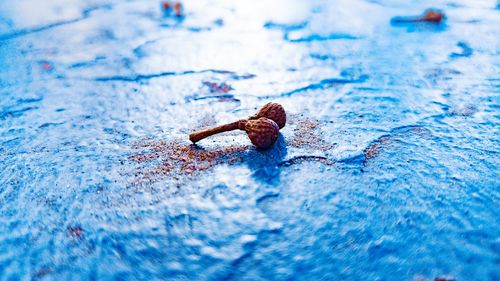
[387,169]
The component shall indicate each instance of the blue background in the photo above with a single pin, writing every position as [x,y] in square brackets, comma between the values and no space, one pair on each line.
[397,177]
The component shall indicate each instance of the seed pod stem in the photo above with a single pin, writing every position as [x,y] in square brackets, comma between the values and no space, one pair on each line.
[199,135]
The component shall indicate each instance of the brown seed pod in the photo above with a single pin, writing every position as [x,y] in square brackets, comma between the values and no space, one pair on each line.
[263,132]
[432,15]
[273,111]
[262,128]
[429,15]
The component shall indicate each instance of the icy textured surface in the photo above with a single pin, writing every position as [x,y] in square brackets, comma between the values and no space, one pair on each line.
[387,170]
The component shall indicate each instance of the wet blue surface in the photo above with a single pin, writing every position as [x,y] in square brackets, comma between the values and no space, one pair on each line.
[397,178]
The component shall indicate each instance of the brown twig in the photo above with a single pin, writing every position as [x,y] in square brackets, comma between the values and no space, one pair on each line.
[199,135]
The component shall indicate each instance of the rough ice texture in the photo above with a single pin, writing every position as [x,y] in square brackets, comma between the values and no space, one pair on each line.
[387,169]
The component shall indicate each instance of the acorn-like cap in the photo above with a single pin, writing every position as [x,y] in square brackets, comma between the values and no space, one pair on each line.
[263,132]
[273,111]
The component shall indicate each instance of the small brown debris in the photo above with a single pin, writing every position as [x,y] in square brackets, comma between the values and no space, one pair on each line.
[432,15]
[144,157]
[167,7]
[429,15]
[374,149]
[178,9]
[46,66]
[218,88]
[307,135]
[177,158]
